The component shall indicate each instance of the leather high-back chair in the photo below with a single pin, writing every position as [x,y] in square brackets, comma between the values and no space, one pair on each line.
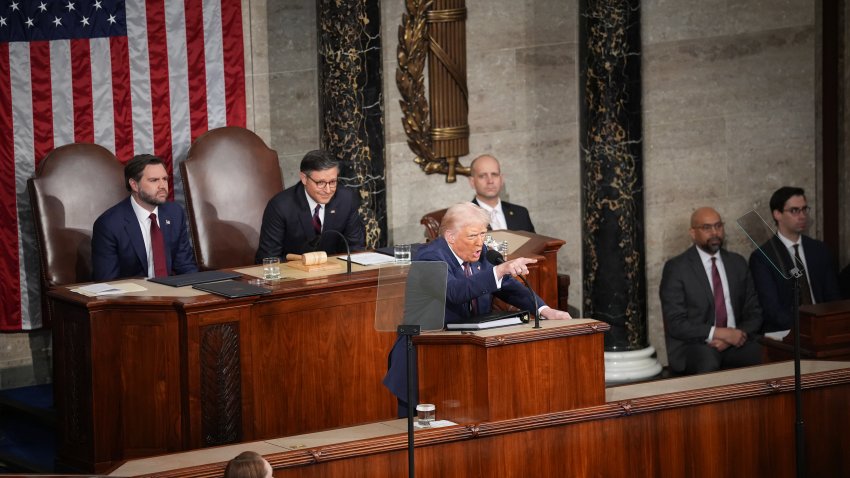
[431,221]
[73,185]
[228,176]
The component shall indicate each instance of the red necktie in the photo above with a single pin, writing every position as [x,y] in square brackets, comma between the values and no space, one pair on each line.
[805,288]
[158,248]
[473,304]
[720,314]
[317,223]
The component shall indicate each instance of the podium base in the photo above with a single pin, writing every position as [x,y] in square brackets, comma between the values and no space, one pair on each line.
[631,366]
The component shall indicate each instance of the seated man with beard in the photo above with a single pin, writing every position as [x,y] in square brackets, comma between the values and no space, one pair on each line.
[709,303]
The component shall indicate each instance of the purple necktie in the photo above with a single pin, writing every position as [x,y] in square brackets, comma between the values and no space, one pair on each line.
[317,223]
[473,304]
[720,314]
[158,249]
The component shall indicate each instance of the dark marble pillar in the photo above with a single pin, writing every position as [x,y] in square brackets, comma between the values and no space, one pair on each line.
[614,278]
[351,104]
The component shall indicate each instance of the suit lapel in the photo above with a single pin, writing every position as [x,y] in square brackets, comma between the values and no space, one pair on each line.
[698,270]
[305,215]
[167,229]
[332,215]
[134,232]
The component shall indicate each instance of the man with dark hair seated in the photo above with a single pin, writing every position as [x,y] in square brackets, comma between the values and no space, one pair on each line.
[295,218]
[144,235]
[708,303]
[790,248]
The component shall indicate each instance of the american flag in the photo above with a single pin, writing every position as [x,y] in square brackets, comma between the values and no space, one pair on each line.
[135,76]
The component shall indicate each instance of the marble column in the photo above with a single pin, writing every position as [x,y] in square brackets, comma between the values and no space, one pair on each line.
[612,183]
[351,105]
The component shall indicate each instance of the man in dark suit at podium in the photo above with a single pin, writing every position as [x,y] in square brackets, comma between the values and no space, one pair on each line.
[472,282]
[487,180]
[819,282]
[708,302]
[143,235]
[296,220]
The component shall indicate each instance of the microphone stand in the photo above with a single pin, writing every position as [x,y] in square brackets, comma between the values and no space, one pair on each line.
[798,386]
[536,307]
[409,331]
[344,240]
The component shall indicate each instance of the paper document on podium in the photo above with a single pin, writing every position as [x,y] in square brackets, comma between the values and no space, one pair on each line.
[492,320]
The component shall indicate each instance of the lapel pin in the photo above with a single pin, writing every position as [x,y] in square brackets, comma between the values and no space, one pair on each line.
[167,221]
[510,213]
[333,211]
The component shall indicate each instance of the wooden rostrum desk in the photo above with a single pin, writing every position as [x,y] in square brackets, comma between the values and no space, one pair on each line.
[726,424]
[170,370]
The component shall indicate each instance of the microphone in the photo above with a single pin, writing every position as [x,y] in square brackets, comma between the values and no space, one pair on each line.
[314,244]
[495,258]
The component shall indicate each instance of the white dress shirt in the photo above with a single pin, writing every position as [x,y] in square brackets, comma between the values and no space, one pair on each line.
[789,245]
[497,216]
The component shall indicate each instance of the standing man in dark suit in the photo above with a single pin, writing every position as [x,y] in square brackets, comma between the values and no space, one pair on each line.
[295,219]
[819,282]
[487,180]
[143,235]
[472,281]
[709,304]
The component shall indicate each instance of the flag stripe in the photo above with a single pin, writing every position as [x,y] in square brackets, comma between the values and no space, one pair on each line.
[181,128]
[9,263]
[104,123]
[22,116]
[121,98]
[233,63]
[63,101]
[41,99]
[196,62]
[160,105]
[140,81]
[81,81]
[214,55]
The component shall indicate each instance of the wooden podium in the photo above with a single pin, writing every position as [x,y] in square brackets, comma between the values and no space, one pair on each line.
[824,334]
[512,372]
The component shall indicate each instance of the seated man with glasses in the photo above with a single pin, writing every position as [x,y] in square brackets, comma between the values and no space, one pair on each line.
[819,278]
[296,220]
[709,304]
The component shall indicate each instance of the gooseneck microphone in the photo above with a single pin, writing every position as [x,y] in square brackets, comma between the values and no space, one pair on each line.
[495,258]
[314,244]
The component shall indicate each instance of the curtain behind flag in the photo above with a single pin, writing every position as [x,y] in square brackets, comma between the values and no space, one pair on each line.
[134,76]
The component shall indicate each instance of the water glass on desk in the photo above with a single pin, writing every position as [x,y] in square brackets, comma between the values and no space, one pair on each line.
[402,253]
[271,268]
[425,414]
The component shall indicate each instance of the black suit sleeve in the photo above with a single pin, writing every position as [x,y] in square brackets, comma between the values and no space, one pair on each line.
[768,287]
[183,257]
[682,319]
[748,317]
[272,232]
[104,256]
[354,231]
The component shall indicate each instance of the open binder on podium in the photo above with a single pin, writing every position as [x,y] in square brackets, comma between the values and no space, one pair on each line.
[768,244]
[411,298]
